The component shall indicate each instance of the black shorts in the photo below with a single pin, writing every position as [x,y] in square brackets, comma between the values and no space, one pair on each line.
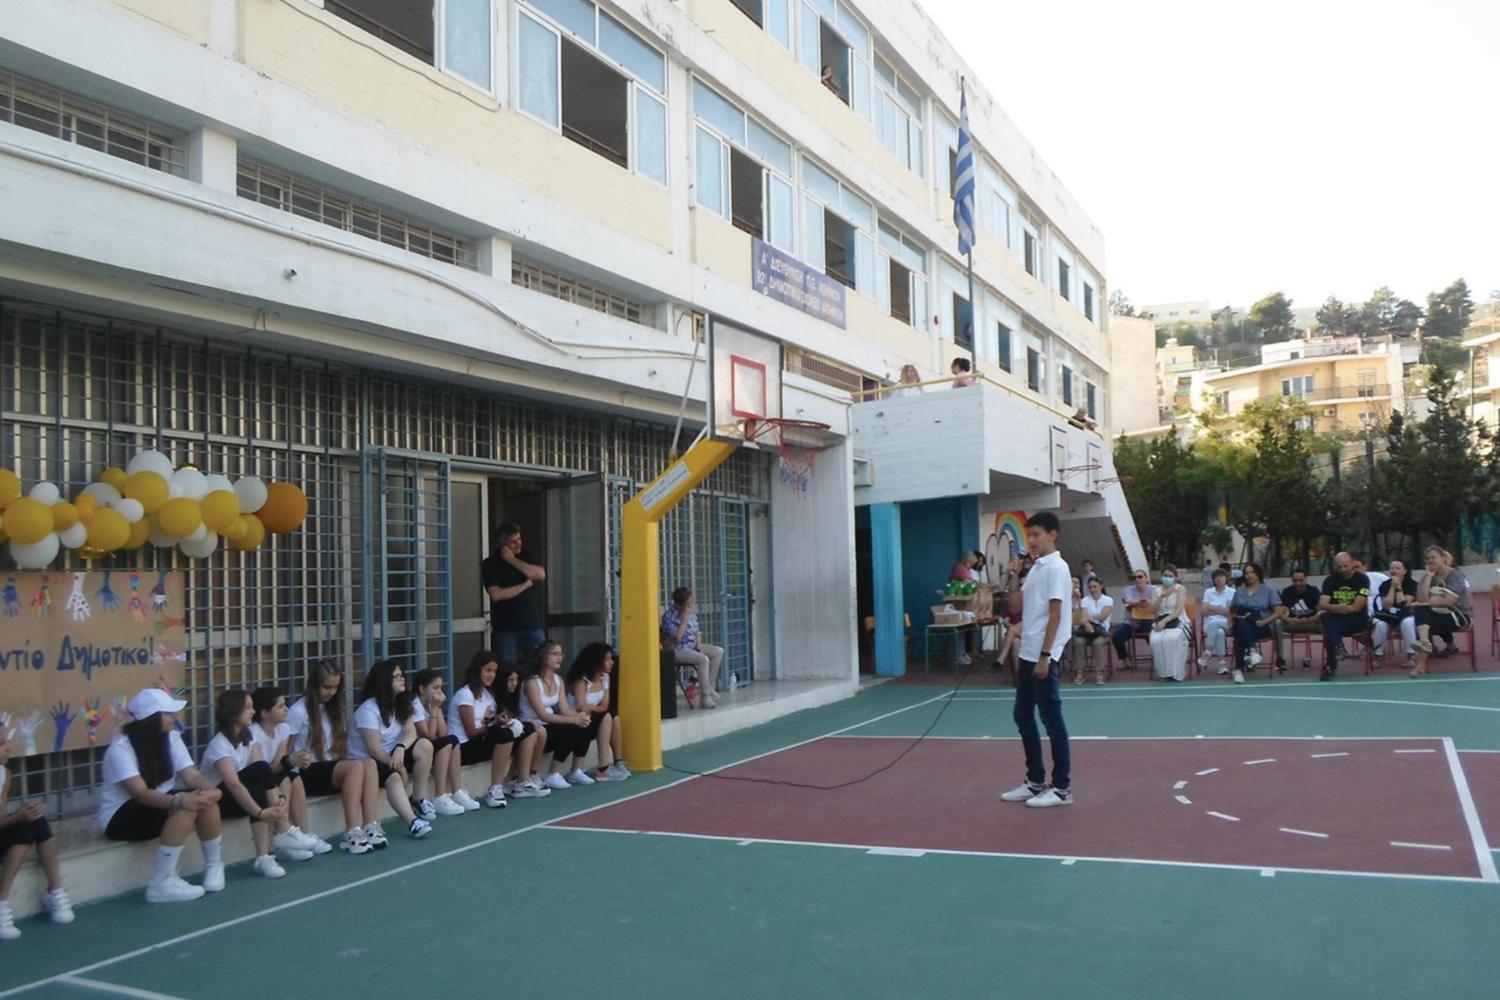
[258,780]
[317,779]
[135,821]
[22,834]
[443,742]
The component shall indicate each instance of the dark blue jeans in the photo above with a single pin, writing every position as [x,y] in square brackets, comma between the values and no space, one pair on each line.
[1246,634]
[1044,695]
[516,646]
[1124,631]
[1336,628]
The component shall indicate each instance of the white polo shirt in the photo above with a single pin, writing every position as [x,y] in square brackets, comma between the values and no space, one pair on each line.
[1048,581]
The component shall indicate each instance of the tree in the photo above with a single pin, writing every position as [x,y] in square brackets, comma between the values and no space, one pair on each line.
[1386,313]
[1448,312]
[1166,496]
[1334,317]
[1272,318]
[1120,304]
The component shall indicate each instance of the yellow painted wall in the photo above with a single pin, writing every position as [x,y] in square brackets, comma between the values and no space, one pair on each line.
[719,247]
[186,17]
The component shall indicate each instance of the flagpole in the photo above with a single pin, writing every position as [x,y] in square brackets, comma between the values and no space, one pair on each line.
[973,306]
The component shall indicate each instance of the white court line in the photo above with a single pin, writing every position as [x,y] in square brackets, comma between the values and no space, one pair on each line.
[1310,682]
[116,989]
[1320,756]
[1274,697]
[897,852]
[1070,861]
[1479,751]
[1263,760]
[1224,816]
[1158,739]
[1421,847]
[1413,751]
[1155,862]
[431,859]
[1268,873]
[1206,771]
[1471,814]
[1184,800]
[1304,833]
[1179,786]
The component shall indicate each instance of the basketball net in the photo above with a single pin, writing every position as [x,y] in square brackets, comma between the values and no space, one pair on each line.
[796,466]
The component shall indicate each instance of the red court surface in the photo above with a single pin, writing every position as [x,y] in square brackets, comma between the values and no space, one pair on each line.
[1483,770]
[1387,807]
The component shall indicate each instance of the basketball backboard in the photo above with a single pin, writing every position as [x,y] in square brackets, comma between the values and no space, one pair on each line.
[744,379]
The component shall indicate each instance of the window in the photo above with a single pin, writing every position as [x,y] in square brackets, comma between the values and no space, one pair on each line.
[464,27]
[1035,371]
[742,169]
[994,202]
[287,193]
[905,286]
[539,278]
[1221,400]
[838,228]
[407,26]
[1302,386]
[1030,258]
[1064,279]
[1002,346]
[1067,385]
[838,248]
[753,9]
[836,45]
[1088,301]
[963,322]
[596,82]
[1304,423]
[897,117]
[468,41]
[52,112]
[1091,399]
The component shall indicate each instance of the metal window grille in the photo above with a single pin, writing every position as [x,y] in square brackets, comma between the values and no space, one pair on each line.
[73,119]
[824,370]
[531,275]
[285,192]
[367,575]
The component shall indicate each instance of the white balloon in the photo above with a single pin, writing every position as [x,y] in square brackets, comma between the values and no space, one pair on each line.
[200,548]
[47,493]
[36,555]
[194,483]
[252,494]
[199,533]
[130,510]
[103,492]
[74,536]
[161,539]
[150,461]
[173,491]
[218,482]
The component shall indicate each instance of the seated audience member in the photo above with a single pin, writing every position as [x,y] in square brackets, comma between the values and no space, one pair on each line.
[679,633]
[1346,610]
[27,827]
[384,733]
[1005,656]
[527,758]
[964,570]
[1216,620]
[544,703]
[1442,606]
[1375,577]
[431,722]
[320,747]
[1255,618]
[273,737]
[232,763]
[138,800]
[1393,609]
[909,385]
[1087,573]
[1092,633]
[484,735]
[589,679]
[961,369]
[1299,604]
[1139,599]
[1170,629]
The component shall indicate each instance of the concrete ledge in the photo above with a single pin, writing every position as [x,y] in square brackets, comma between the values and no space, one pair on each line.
[751,706]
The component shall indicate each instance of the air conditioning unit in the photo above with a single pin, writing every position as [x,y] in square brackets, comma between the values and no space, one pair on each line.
[1330,411]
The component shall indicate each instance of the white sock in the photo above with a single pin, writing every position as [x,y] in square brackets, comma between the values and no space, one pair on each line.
[213,851]
[166,863]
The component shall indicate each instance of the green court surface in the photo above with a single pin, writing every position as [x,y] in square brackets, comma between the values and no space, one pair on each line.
[505,904]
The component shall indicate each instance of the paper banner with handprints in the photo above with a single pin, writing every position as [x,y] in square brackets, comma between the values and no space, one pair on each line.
[75,646]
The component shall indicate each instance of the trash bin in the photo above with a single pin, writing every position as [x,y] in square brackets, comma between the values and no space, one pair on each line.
[668,684]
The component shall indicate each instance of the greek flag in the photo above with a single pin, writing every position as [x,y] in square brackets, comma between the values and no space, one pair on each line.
[963,182]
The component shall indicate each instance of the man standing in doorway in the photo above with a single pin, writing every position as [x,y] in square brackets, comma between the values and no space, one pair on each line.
[509,576]
[1047,591]
[1346,610]
[679,632]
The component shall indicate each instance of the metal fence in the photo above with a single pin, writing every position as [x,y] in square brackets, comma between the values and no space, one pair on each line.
[367,575]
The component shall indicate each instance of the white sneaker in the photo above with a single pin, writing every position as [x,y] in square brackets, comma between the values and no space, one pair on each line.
[621,767]
[962,660]
[8,929]
[419,828]
[426,809]
[294,854]
[1051,797]
[524,790]
[1203,661]
[608,774]
[213,877]
[309,841]
[464,799]
[1022,793]
[375,836]
[58,906]
[496,797]
[1254,660]
[354,842]
[173,890]
[445,806]
[266,867]
[1223,671]
[539,786]
[556,782]
[289,841]
[1239,677]
[579,777]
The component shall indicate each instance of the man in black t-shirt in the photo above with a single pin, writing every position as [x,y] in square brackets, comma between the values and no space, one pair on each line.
[1345,604]
[509,576]
[1299,608]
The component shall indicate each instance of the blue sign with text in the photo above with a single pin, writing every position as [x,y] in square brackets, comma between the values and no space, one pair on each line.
[786,279]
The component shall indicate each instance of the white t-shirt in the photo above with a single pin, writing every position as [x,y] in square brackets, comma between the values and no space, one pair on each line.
[367,716]
[1376,581]
[120,765]
[300,725]
[1218,600]
[595,697]
[1100,609]
[549,700]
[484,706]
[269,742]
[218,748]
[1048,581]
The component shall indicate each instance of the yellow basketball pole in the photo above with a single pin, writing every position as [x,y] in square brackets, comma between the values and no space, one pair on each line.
[640,609]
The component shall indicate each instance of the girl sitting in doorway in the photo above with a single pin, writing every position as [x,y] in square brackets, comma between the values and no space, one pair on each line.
[320,747]
[385,734]
[544,704]
[232,763]
[272,737]
[589,681]
[432,725]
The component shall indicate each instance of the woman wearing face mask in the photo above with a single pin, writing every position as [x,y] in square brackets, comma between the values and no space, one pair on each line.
[1169,633]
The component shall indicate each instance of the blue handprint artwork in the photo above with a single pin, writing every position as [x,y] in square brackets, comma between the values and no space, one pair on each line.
[159,594]
[62,718]
[108,599]
[12,597]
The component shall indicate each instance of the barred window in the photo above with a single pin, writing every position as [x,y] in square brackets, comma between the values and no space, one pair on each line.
[301,197]
[72,119]
[537,278]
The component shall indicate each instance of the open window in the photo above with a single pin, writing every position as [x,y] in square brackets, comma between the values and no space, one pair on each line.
[963,322]
[900,291]
[747,194]
[1029,256]
[1002,346]
[1064,279]
[833,56]
[753,9]
[1067,385]
[1033,369]
[406,25]
[595,112]
[838,249]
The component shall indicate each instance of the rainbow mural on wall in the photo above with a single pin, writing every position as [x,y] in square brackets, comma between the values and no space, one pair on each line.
[1007,539]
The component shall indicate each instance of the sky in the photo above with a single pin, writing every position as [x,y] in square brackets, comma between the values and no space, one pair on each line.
[1230,149]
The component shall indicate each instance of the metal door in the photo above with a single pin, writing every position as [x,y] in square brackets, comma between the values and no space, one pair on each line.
[577,572]
[732,567]
[470,534]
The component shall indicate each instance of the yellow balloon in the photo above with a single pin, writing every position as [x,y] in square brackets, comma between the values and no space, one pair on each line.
[108,530]
[10,488]
[64,515]
[89,552]
[236,529]
[284,509]
[139,532]
[180,517]
[28,521]
[149,488]
[255,533]
[86,505]
[221,508]
[114,476]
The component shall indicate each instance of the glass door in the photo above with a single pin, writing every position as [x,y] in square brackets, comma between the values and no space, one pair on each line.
[469,500]
[576,561]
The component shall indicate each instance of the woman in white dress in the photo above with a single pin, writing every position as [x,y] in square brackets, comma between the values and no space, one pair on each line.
[1169,636]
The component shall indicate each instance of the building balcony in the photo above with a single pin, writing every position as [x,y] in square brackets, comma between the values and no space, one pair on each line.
[1335,393]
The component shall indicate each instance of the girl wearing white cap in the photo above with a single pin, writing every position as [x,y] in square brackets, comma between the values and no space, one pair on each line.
[138,803]
[26,827]
[385,733]
[320,738]
[232,762]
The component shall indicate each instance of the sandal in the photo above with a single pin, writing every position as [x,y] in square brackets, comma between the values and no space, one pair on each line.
[1417,672]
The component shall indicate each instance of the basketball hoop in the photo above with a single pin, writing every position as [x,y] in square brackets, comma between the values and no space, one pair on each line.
[797,461]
